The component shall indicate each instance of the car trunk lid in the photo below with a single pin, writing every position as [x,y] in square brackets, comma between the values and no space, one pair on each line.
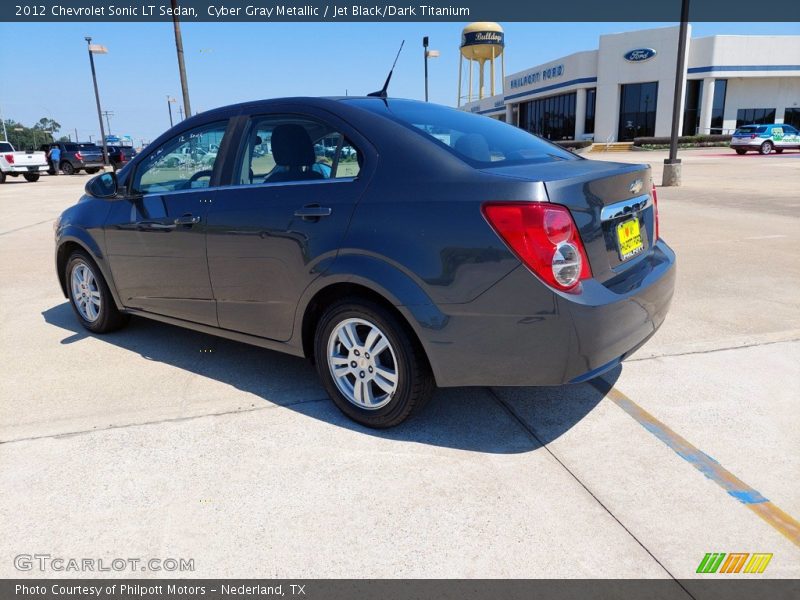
[611,204]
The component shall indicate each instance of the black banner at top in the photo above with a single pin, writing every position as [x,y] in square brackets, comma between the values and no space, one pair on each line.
[381,10]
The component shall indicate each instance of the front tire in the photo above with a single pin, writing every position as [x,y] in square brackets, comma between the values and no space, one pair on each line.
[89,295]
[370,365]
[32,177]
[778,150]
[67,168]
[766,148]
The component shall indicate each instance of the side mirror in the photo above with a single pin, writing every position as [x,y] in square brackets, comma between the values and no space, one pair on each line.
[103,186]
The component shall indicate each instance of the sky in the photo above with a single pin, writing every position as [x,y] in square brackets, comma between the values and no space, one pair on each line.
[46,72]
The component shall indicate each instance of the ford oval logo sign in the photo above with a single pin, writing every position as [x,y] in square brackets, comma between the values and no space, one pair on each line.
[640,54]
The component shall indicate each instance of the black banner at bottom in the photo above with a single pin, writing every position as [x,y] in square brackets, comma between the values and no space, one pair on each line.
[735,588]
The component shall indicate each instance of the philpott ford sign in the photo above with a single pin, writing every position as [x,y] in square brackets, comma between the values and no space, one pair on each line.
[640,54]
[537,76]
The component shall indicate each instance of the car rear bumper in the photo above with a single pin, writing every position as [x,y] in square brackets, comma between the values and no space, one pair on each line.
[747,143]
[522,333]
[27,169]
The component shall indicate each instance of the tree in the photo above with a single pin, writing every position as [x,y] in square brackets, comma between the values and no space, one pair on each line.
[45,124]
[29,138]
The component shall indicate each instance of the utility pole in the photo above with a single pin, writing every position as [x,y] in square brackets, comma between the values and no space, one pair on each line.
[180,111]
[5,133]
[107,114]
[76,134]
[672,165]
[99,50]
[181,65]
[428,54]
[169,108]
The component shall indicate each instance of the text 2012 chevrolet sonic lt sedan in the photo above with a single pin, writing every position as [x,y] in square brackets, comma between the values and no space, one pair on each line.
[399,244]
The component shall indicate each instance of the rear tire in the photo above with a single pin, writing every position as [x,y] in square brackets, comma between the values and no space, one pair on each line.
[32,177]
[67,168]
[740,151]
[766,148]
[89,296]
[2,177]
[92,171]
[778,150]
[377,390]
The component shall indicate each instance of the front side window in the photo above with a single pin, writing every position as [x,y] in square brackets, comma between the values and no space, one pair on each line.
[290,148]
[184,162]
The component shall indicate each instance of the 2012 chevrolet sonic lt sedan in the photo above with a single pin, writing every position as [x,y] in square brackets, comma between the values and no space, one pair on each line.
[400,245]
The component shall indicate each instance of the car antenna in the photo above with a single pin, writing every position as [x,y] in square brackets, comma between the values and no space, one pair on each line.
[382,92]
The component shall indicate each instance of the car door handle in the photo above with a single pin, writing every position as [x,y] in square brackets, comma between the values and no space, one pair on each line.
[155,226]
[187,220]
[313,212]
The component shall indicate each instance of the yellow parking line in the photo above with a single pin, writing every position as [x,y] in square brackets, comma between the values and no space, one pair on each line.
[751,498]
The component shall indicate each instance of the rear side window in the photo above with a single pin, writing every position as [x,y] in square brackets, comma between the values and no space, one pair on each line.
[292,148]
[480,141]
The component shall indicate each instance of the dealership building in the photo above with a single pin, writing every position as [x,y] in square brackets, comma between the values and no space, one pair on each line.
[625,88]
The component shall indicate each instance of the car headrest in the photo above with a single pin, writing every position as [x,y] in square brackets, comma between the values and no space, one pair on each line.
[474,146]
[258,141]
[292,147]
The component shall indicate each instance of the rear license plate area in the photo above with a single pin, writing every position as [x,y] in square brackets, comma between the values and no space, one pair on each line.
[629,238]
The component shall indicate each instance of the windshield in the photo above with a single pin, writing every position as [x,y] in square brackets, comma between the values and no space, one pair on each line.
[480,141]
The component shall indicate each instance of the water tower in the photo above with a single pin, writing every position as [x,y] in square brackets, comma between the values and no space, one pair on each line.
[481,43]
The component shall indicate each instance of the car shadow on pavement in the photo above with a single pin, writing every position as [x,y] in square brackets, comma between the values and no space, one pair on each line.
[497,420]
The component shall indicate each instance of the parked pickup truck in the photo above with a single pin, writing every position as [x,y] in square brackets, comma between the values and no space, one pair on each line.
[28,164]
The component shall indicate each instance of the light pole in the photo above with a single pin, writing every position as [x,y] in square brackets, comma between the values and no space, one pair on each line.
[181,66]
[428,54]
[672,165]
[97,49]
[169,108]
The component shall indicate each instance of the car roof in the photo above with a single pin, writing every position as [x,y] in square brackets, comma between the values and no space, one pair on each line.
[313,101]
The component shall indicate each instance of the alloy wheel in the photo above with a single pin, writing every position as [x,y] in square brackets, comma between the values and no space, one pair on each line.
[85,292]
[363,363]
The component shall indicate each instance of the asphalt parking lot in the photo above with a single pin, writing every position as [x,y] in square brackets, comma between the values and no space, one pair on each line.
[160,442]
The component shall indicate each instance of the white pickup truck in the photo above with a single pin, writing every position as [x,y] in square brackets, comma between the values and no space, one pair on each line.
[28,164]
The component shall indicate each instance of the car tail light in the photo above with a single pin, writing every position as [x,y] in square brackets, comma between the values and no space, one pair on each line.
[655,214]
[79,156]
[545,239]
[9,158]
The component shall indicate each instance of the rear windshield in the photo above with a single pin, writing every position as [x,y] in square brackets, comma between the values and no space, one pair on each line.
[480,141]
[4,147]
[89,147]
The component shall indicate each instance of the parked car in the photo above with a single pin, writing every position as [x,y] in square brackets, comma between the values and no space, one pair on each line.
[77,156]
[498,259]
[119,156]
[765,138]
[14,163]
